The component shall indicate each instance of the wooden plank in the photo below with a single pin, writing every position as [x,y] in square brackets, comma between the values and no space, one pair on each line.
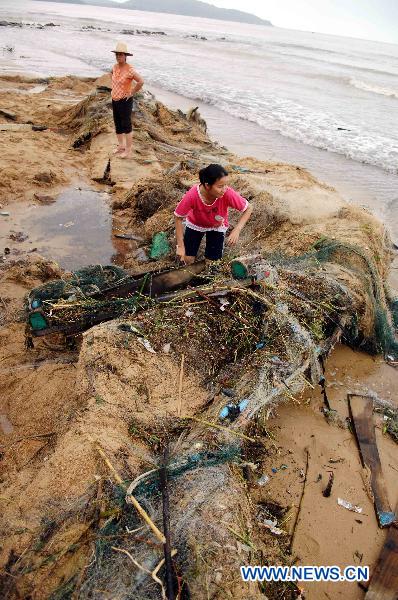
[384,581]
[361,408]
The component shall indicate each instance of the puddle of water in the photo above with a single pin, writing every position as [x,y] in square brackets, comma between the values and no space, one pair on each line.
[75,231]
[6,425]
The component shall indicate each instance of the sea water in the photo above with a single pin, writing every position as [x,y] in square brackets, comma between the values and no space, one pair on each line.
[325,102]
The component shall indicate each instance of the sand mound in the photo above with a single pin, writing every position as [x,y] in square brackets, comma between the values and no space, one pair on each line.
[159,376]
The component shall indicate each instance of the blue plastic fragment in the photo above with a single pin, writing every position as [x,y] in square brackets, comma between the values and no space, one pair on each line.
[243,404]
[224,412]
[194,457]
[260,345]
[274,470]
[36,303]
[386,518]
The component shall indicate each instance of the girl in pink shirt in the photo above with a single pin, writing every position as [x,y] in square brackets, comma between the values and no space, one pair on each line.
[205,210]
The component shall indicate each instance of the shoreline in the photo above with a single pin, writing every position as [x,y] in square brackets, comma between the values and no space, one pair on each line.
[52,395]
[356,182]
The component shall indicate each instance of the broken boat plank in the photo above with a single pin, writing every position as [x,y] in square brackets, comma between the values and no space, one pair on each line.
[361,408]
[384,582]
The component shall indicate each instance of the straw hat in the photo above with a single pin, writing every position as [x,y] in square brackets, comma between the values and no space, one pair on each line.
[122,48]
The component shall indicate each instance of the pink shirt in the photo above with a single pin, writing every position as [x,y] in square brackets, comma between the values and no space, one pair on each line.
[209,217]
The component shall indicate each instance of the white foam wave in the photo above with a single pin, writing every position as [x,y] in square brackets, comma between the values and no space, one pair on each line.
[374,89]
[292,120]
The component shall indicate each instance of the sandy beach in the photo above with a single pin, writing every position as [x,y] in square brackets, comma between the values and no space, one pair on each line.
[63,198]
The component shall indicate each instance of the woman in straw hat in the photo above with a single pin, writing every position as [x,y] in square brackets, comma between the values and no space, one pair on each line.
[125,83]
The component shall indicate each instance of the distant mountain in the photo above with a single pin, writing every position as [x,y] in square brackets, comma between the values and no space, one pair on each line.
[190,8]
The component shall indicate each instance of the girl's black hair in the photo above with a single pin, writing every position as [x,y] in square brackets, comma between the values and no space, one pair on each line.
[212,173]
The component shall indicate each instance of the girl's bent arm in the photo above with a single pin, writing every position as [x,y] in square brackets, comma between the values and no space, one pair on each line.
[179,236]
[235,233]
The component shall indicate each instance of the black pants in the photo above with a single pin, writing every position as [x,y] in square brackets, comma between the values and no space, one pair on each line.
[214,243]
[122,114]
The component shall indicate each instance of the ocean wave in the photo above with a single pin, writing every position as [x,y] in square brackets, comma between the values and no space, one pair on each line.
[292,120]
[374,89]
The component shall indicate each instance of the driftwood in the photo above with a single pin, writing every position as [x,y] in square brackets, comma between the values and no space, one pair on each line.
[384,581]
[131,499]
[361,408]
[293,536]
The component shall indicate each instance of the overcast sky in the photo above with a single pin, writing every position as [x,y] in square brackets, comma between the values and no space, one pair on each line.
[369,19]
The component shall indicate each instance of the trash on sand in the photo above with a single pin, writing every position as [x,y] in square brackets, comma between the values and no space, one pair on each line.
[232,411]
[283,467]
[166,348]
[348,505]
[228,392]
[263,480]
[260,345]
[4,213]
[274,470]
[129,236]
[18,236]
[128,328]
[160,246]
[147,344]
[223,303]
[189,313]
[328,489]
[271,525]
[44,199]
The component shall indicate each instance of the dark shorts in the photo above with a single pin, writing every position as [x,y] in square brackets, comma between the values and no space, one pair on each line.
[122,114]
[214,243]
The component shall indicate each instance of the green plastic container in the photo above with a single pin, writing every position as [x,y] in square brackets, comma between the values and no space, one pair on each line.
[160,246]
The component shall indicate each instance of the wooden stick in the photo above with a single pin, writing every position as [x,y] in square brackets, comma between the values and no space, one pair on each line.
[300,503]
[222,428]
[180,385]
[131,498]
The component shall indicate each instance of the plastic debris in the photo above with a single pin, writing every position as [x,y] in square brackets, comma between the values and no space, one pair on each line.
[263,479]
[348,505]
[232,411]
[166,348]
[223,303]
[274,470]
[160,246]
[129,236]
[271,525]
[147,344]
[4,213]
[189,313]
[228,392]
[260,345]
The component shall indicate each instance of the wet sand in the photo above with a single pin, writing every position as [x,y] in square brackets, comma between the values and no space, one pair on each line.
[328,534]
[296,427]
